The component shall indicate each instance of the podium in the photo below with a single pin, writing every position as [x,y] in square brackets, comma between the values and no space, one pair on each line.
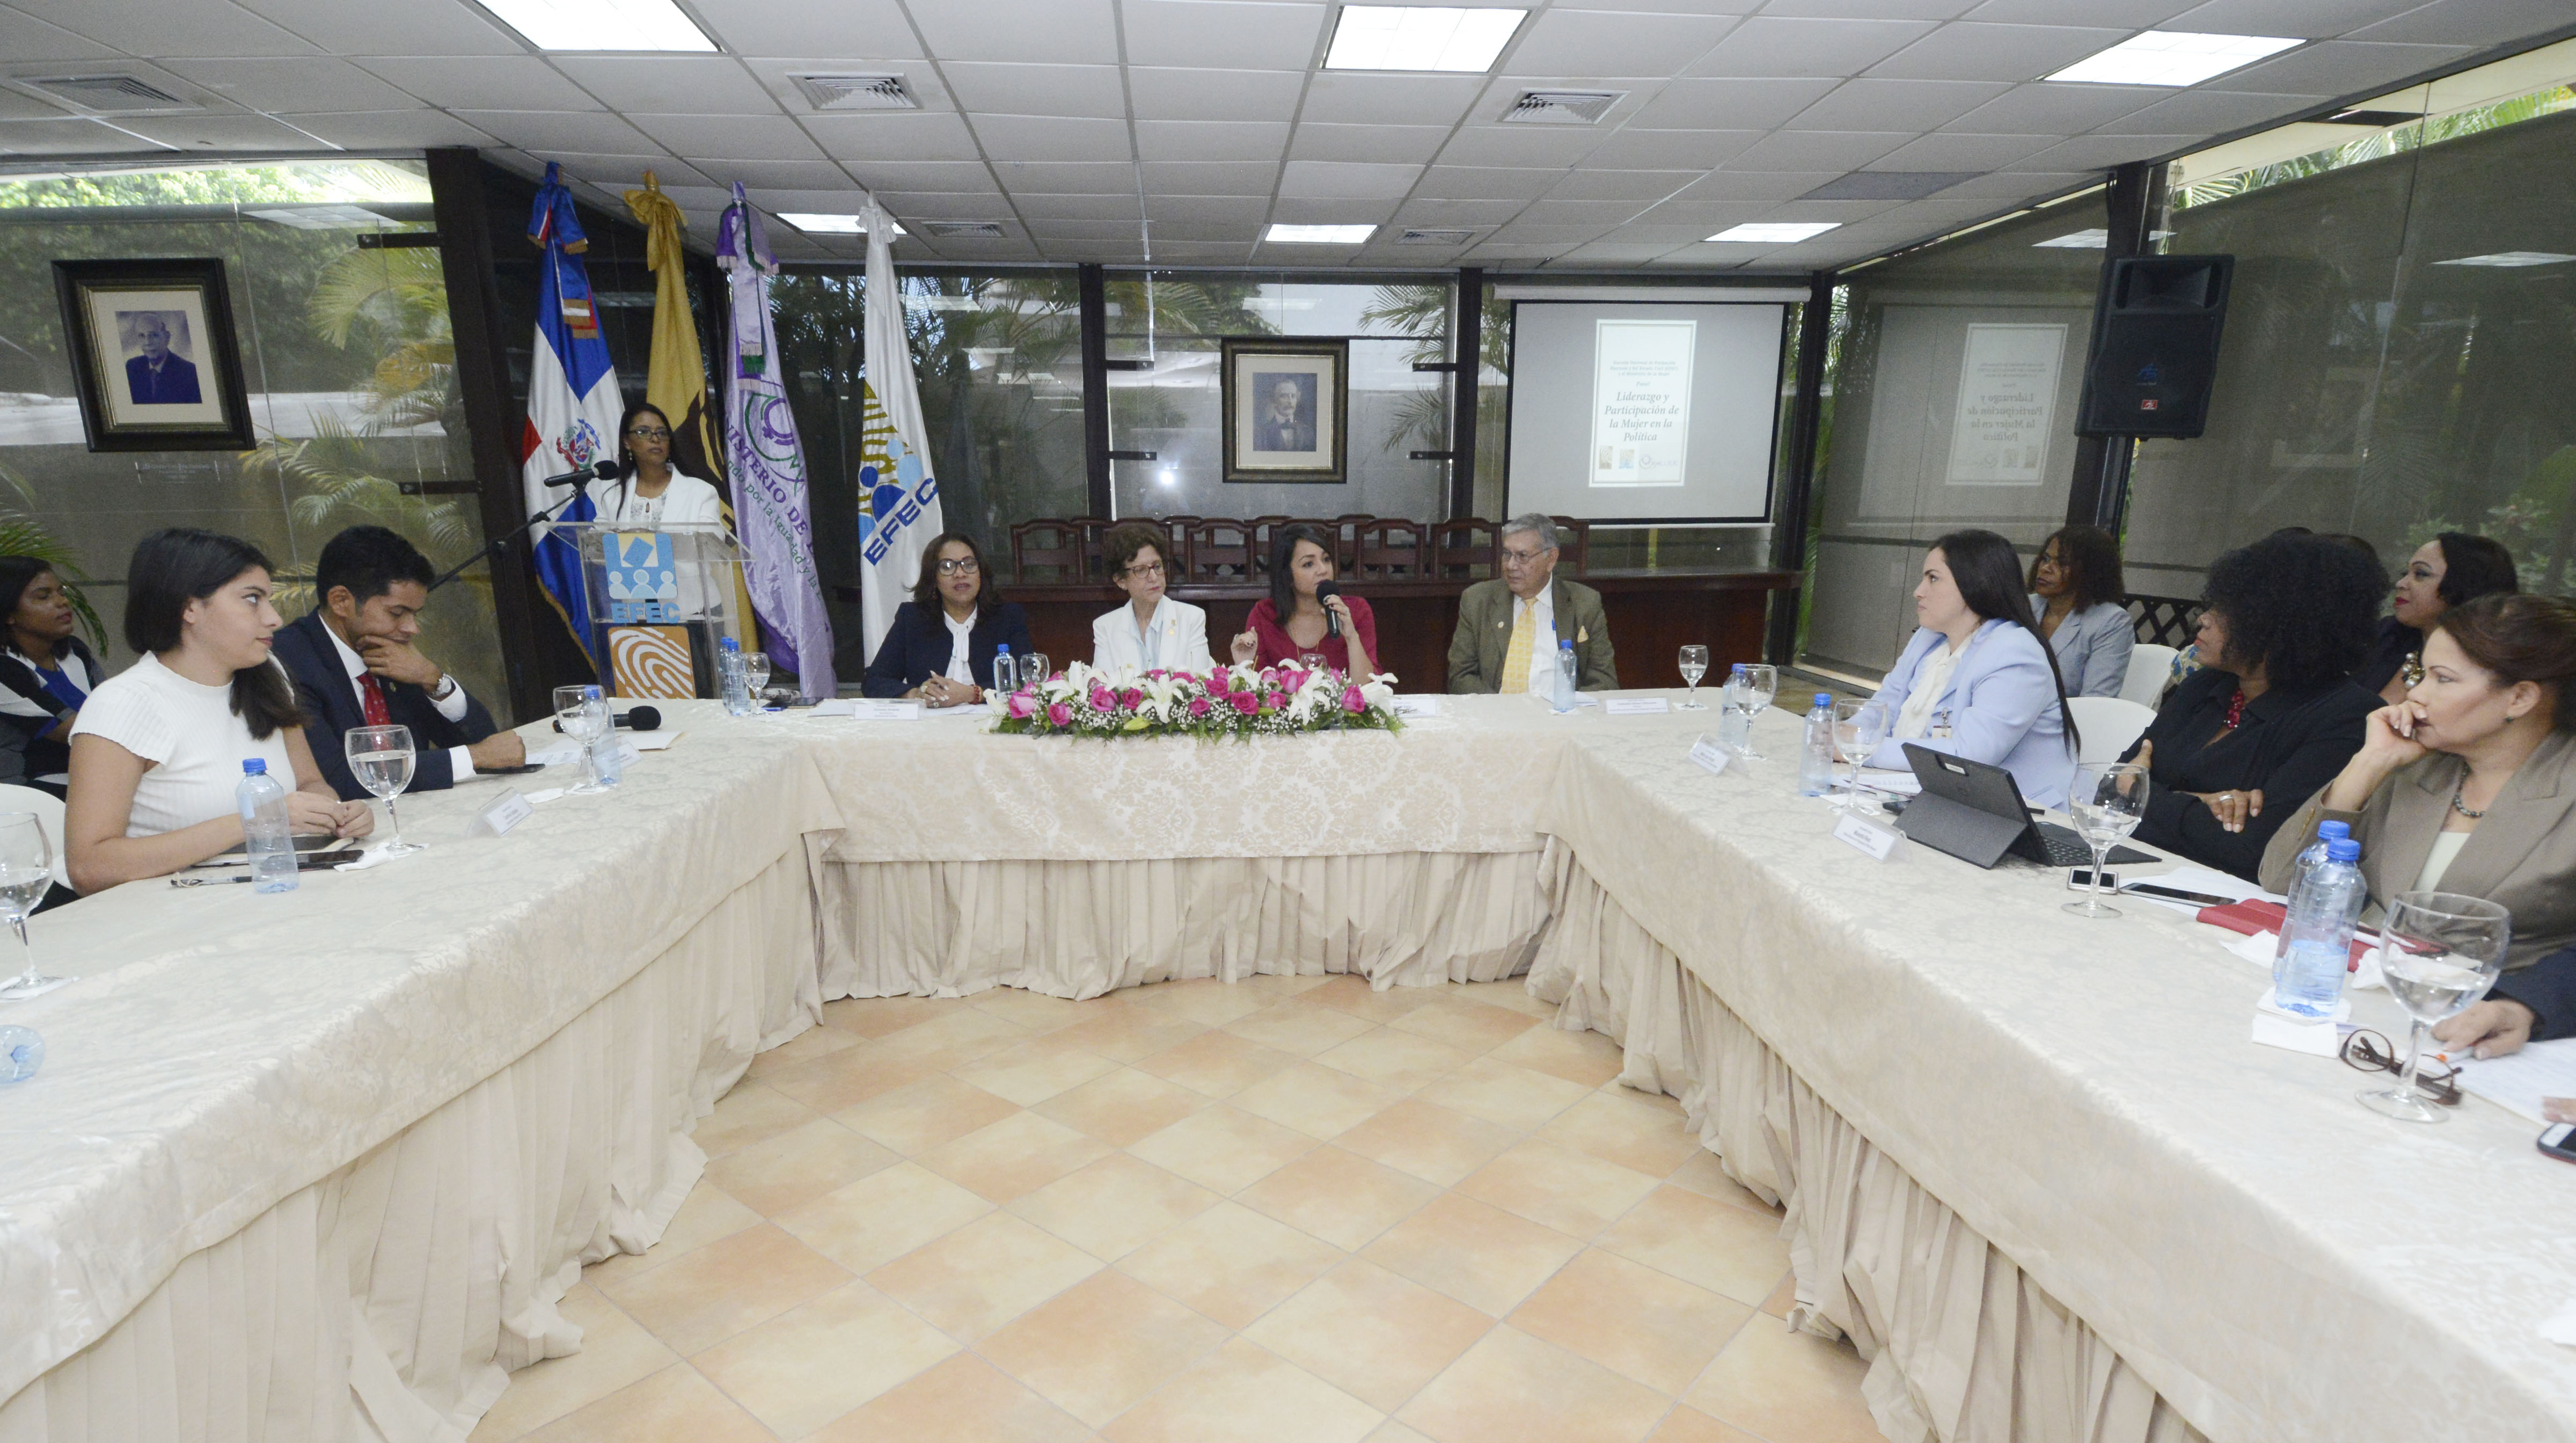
[660,599]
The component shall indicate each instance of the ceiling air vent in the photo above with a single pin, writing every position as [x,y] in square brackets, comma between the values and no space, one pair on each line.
[111,94]
[1434,236]
[1561,107]
[965,229]
[856,92]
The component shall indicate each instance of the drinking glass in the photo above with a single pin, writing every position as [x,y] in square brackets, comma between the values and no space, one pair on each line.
[1034,668]
[26,871]
[2107,802]
[1694,666]
[1312,661]
[755,674]
[2440,951]
[575,713]
[382,757]
[1761,684]
[1860,724]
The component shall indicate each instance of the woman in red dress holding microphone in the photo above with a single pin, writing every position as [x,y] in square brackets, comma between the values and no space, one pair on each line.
[1305,615]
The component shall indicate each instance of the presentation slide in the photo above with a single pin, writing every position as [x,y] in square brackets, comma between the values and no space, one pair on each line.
[1645,410]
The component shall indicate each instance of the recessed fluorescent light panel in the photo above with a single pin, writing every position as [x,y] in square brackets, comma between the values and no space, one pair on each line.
[2510,259]
[1776,232]
[814,224]
[1320,235]
[601,24]
[2172,57]
[1419,37]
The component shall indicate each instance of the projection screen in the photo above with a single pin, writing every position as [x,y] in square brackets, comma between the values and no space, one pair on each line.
[1645,411]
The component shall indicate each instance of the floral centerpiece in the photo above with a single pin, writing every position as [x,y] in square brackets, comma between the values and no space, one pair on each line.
[1232,701]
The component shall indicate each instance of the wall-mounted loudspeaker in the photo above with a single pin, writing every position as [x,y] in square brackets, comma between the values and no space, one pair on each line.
[2155,346]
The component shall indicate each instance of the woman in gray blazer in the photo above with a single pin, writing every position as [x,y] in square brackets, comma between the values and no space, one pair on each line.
[2469,784]
[2082,604]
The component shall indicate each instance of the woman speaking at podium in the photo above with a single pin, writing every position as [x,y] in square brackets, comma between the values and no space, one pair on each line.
[652,492]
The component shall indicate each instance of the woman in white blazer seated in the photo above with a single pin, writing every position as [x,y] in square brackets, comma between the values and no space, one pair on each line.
[1151,631]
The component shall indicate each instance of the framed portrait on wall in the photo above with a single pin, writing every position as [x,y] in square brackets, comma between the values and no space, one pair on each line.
[153,354]
[1287,409]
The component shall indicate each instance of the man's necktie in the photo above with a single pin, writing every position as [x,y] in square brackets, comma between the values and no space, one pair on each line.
[373,696]
[1516,661]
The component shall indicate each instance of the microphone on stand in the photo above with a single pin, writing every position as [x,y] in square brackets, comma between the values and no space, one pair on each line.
[595,471]
[642,719]
[1326,591]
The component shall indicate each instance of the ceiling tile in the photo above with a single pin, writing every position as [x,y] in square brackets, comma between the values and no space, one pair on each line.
[1612,42]
[2339,67]
[1634,149]
[685,183]
[1071,90]
[1186,253]
[893,136]
[776,175]
[1615,251]
[221,132]
[1668,236]
[2046,108]
[1061,32]
[1070,177]
[16,106]
[1833,150]
[303,83]
[1081,207]
[1874,104]
[2463,22]
[421,27]
[1476,182]
[1870,9]
[1634,187]
[1332,210]
[730,137]
[392,129]
[2010,185]
[1343,98]
[1421,212]
[24,37]
[1346,179]
[921,176]
[1745,187]
[1209,177]
[155,28]
[1560,236]
[2101,152]
[777,78]
[1577,212]
[1962,152]
[65,137]
[1732,104]
[483,82]
[1236,210]
[836,199]
[1045,137]
[941,207]
[1199,231]
[1233,35]
[561,130]
[670,84]
[1968,51]
[1769,46]
[2117,14]
[810,27]
[2310,19]
[2212,112]
[1261,140]
[1519,145]
[1417,143]
[1046,230]
[1180,94]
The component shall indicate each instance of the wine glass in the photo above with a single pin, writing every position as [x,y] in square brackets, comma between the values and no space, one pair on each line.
[573,714]
[1694,666]
[1034,668]
[755,674]
[1311,661]
[2106,802]
[1761,684]
[381,757]
[26,872]
[1860,724]
[2439,951]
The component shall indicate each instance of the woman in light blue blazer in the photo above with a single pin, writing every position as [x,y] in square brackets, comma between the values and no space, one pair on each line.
[2082,604]
[1151,631]
[1976,681]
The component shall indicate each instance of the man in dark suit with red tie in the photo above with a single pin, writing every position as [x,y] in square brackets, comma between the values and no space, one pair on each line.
[160,376]
[355,663]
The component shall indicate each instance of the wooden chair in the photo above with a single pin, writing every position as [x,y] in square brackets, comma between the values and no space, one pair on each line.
[1219,549]
[1388,550]
[1260,530]
[1573,542]
[1176,556]
[1463,550]
[1054,546]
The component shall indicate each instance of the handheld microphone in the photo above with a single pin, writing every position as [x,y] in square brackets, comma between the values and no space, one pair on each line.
[642,719]
[1326,591]
[595,471]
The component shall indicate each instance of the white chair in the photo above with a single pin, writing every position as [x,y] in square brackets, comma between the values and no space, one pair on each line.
[2109,724]
[48,808]
[2149,665]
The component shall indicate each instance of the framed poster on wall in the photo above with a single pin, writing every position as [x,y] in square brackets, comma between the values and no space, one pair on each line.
[1287,409]
[153,354]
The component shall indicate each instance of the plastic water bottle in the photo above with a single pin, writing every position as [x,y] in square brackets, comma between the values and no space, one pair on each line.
[1006,672]
[267,835]
[21,1053]
[608,758]
[1567,673]
[2316,852]
[2308,976]
[1734,722]
[1816,754]
[730,679]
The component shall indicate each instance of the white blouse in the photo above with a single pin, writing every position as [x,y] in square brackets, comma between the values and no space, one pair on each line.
[1931,680]
[189,733]
[687,499]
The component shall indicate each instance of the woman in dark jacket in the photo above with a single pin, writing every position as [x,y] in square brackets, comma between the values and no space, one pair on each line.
[2450,570]
[955,600]
[45,675]
[2272,712]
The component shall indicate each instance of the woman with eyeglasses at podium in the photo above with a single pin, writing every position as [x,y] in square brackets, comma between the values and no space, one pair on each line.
[653,492]
[939,648]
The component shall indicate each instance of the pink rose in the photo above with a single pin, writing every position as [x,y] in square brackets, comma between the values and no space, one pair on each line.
[1101,699]
[1060,715]
[1199,706]
[1352,701]
[1023,705]
[1245,702]
[1132,697]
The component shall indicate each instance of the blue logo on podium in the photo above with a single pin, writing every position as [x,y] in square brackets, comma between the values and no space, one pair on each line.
[643,578]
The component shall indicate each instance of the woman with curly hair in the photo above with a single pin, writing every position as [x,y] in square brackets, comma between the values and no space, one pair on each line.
[2082,604]
[2272,712]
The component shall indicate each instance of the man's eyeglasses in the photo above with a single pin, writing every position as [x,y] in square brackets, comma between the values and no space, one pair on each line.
[960,566]
[1522,558]
[1145,569]
[649,433]
[2370,1052]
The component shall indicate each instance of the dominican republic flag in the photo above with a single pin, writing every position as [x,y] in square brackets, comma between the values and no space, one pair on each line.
[573,403]
[898,497]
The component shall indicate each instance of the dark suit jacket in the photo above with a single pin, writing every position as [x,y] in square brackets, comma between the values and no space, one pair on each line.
[175,386]
[2287,746]
[1484,636]
[916,647]
[331,707]
[2548,988]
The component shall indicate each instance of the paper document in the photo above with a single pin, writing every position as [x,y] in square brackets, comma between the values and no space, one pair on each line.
[875,709]
[1636,705]
[2518,1080]
[1410,706]
[651,741]
[837,706]
[2320,1039]
[1903,784]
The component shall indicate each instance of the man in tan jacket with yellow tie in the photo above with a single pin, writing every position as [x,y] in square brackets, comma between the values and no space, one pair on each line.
[1509,628]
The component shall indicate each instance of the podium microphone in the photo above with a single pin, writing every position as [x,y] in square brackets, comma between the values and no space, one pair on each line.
[595,471]
[642,719]
[1326,591]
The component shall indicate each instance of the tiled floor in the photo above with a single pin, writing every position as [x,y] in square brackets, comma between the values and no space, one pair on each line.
[1290,1209]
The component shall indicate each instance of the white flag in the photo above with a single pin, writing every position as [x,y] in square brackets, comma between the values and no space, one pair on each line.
[898,497]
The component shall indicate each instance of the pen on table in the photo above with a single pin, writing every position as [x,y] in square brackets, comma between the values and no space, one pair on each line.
[207,881]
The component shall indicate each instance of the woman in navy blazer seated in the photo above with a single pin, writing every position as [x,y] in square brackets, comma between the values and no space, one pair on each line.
[1976,681]
[955,599]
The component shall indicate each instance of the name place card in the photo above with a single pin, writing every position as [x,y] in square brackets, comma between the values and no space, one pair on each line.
[1635,705]
[1879,842]
[1709,754]
[505,811]
[874,709]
